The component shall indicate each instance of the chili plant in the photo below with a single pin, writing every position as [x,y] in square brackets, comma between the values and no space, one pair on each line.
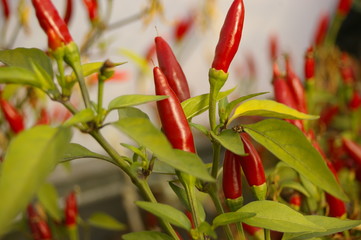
[276,145]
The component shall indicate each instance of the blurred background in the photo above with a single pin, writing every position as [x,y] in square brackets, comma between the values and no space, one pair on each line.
[286,26]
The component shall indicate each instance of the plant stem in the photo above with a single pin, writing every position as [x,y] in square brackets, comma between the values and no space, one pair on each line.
[240,231]
[212,191]
[267,234]
[190,191]
[100,96]
[140,183]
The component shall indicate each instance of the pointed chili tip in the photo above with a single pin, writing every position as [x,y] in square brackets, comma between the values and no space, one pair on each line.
[276,71]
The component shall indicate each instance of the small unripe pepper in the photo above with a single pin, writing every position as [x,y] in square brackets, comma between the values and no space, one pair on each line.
[172,69]
[71,210]
[252,167]
[174,122]
[230,37]
[12,116]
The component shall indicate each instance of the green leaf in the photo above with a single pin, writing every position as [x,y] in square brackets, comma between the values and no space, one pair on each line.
[83,116]
[48,197]
[18,75]
[149,235]
[231,141]
[200,128]
[278,217]
[294,185]
[199,104]
[290,145]
[146,134]
[105,221]
[268,108]
[332,225]
[140,61]
[43,77]
[237,101]
[133,100]
[207,229]
[231,217]
[135,150]
[131,112]
[166,212]
[90,68]
[76,151]
[24,57]
[31,156]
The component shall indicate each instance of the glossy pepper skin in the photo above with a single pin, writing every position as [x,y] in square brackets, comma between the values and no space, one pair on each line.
[174,122]
[344,7]
[172,69]
[68,11]
[71,210]
[230,37]
[252,165]
[232,176]
[50,20]
[12,116]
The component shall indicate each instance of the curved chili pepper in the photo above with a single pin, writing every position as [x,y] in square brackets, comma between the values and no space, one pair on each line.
[252,167]
[296,87]
[230,37]
[172,69]
[174,122]
[71,210]
[309,63]
[50,20]
[321,29]
[6,9]
[39,227]
[12,116]
[68,11]
[92,7]
[232,176]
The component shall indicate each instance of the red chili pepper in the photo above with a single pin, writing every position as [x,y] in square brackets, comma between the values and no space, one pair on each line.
[172,69]
[296,87]
[12,116]
[39,227]
[344,7]
[6,9]
[182,27]
[295,201]
[284,95]
[252,165]
[328,114]
[232,176]
[44,118]
[273,47]
[174,122]
[71,210]
[355,101]
[353,149]
[309,63]
[321,30]
[346,70]
[92,7]
[255,232]
[230,37]
[68,11]
[50,20]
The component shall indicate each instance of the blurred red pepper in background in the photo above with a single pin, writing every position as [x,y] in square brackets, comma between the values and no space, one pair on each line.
[14,118]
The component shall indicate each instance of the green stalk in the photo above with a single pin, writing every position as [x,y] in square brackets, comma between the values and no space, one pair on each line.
[267,234]
[140,183]
[100,96]
[73,232]
[191,195]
